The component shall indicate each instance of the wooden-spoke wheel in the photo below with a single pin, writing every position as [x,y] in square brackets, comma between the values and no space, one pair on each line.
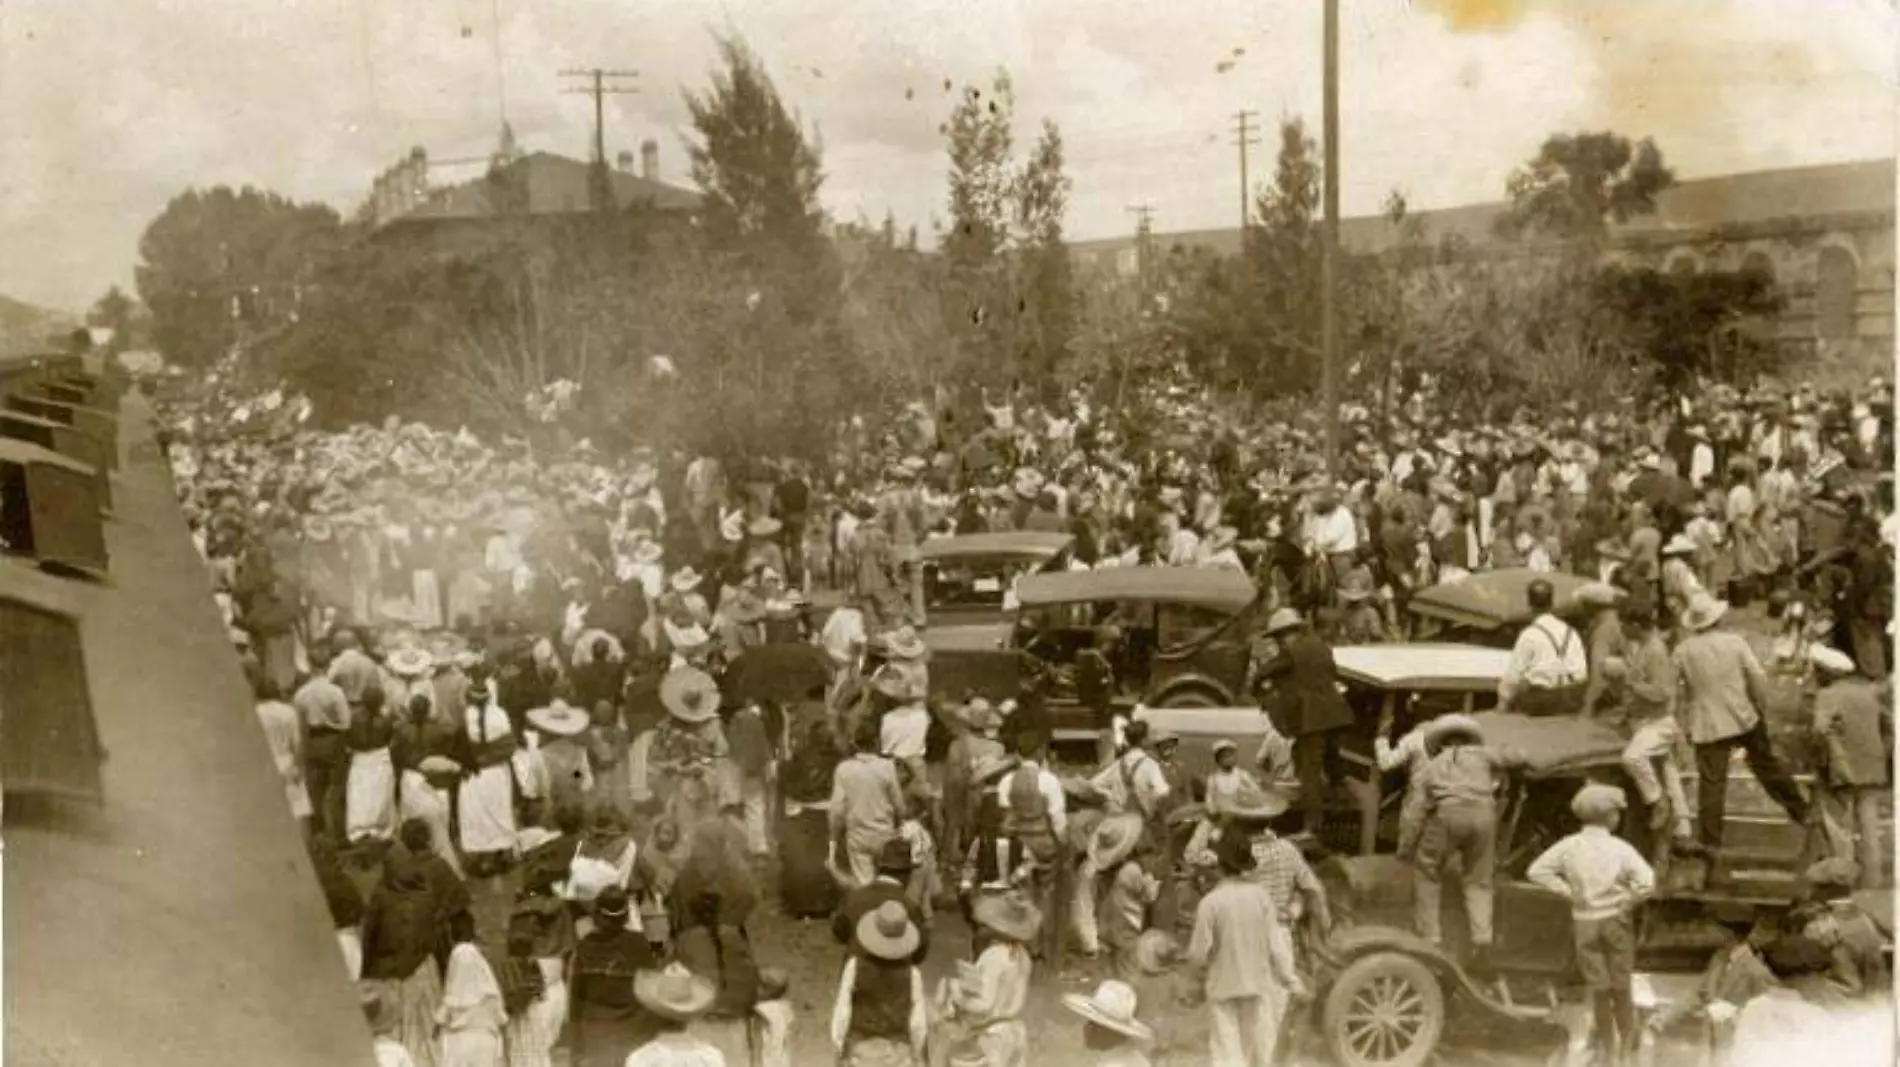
[1384,1010]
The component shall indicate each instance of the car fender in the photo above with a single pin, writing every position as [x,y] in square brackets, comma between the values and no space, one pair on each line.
[1349,944]
[1219,696]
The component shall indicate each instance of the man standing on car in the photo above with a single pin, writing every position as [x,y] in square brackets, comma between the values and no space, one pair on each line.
[1723,691]
[1549,667]
[1307,706]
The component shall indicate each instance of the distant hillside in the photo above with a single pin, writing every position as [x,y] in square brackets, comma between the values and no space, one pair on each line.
[26,329]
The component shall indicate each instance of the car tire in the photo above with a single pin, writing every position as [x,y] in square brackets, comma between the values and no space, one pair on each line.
[1386,1009]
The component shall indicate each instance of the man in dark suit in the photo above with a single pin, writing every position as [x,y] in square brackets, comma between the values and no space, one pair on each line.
[893,873]
[1306,705]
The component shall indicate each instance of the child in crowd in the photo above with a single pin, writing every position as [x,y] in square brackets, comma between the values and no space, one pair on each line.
[922,890]
[1110,1030]
[1604,878]
[1229,779]
[655,870]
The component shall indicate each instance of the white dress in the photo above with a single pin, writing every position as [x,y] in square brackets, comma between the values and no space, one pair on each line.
[486,812]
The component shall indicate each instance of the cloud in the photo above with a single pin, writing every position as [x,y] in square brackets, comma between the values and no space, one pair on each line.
[110,107]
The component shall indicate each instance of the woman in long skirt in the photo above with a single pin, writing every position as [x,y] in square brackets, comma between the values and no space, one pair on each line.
[485,808]
[471,1016]
[370,793]
[398,943]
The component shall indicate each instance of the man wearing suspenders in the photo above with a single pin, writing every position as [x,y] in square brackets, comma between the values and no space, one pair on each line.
[1549,668]
[1035,812]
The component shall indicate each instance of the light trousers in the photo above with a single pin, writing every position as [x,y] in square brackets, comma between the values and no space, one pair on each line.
[1850,817]
[1653,740]
[1242,1032]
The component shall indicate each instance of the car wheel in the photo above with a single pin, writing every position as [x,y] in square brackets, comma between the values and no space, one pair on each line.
[1384,1010]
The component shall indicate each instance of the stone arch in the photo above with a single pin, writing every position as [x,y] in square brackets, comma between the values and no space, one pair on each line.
[1836,290]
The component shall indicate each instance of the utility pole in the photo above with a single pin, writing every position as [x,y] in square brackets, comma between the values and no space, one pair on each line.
[1329,245]
[1144,229]
[1245,135]
[600,88]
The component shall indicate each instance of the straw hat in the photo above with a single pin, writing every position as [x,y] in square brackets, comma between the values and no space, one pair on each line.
[1112,1007]
[1114,840]
[647,553]
[1008,915]
[732,526]
[685,580]
[1283,619]
[903,645]
[674,993]
[1679,545]
[1156,951]
[1835,871]
[892,681]
[764,526]
[1446,727]
[887,933]
[561,720]
[1705,611]
[410,662]
[1255,805]
[690,695]
[1596,801]
[1599,595]
[1830,660]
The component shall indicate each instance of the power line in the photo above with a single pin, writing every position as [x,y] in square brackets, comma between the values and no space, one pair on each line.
[600,88]
[1244,135]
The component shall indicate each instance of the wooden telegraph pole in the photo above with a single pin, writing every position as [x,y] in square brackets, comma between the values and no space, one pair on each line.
[1329,246]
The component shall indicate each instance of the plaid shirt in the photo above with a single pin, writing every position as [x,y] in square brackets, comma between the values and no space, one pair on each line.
[1285,873]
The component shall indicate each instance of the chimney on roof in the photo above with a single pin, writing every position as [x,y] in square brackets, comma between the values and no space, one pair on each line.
[650,160]
[624,162]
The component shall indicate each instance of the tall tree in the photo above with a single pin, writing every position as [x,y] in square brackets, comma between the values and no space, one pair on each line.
[221,265]
[1045,290]
[1579,184]
[760,176]
[977,294]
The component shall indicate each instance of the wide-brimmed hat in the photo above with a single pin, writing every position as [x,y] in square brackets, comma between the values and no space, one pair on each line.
[1253,805]
[685,580]
[1446,727]
[1835,871]
[687,641]
[674,993]
[892,681]
[690,695]
[1597,801]
[1282,620]
[1703,612]
[1111,1007]
[992,766]
[764,526]
[1114,840]
[1008,915]
[1679,545]
[318,529]
[649,552]
[410,661]
[561,720]
[903,644]
[887,932]
[1830,660]
[732,526]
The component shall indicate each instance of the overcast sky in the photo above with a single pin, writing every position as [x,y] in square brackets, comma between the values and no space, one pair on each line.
[109,107]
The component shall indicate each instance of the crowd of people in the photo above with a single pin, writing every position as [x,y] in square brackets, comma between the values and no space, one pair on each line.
[516,665]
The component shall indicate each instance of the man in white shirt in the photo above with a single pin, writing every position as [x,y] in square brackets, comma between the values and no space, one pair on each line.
[1549,668]
[1183,544]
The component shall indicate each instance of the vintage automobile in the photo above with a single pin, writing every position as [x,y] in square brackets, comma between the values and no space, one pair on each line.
[1487,608]
[1187,636]
[969,582]
[1383,993]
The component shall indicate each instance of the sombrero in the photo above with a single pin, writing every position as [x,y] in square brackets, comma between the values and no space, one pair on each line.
[1705,611]
[1254,805]
[903,645]
[561,720]
[685,580]
[690,695]
[674,993]
[647,553]
[992,766]
[1446,727]
[410,661]
[1112,1007]
[764,526]
[1281,620]
[1008,915]
[887,933]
